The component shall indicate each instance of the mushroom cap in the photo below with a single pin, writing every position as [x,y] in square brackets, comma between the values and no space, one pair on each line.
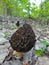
[23,39]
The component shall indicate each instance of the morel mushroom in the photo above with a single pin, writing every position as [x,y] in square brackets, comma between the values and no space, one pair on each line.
[23,39]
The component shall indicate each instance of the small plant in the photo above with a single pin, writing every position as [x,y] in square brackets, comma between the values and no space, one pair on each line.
[39,52]
[42,50]
[46,43]
[13,26]
[6,34]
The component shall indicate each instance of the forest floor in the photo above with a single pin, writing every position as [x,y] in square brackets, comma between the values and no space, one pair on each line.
[30,58]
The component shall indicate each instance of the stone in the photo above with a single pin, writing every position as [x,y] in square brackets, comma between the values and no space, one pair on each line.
[39,45]
[3,54]
[30,57]
[42,61]
[48,48]
[1,34]
[38,29]
[14,62]
[3,40]
[46,39]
